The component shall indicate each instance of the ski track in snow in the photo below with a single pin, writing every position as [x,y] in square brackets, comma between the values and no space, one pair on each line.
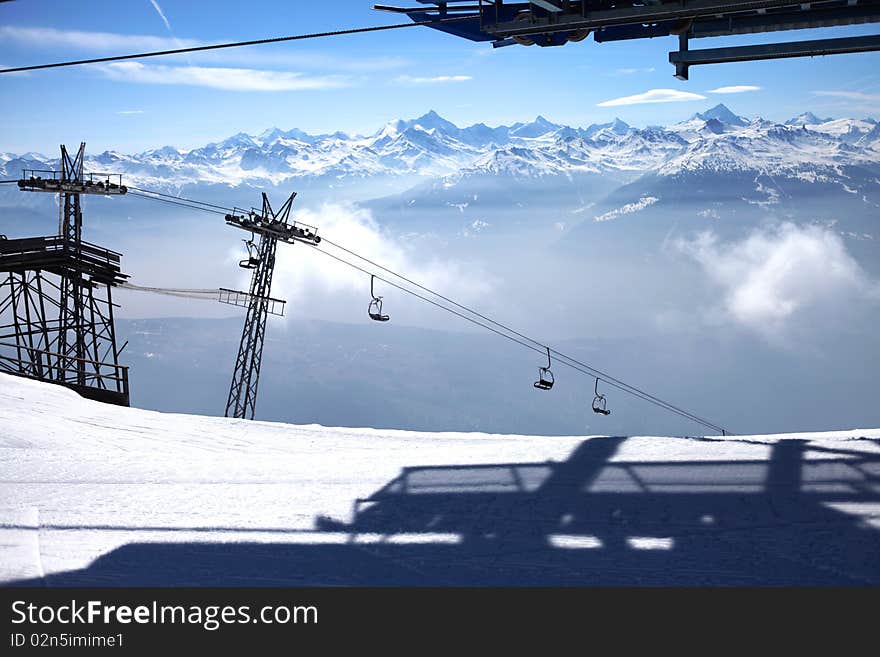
[92,494]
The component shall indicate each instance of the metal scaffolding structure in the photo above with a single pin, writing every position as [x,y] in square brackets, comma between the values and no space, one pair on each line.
[56,316]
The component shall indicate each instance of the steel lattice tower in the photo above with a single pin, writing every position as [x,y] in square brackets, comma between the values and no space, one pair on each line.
[73,330]
[58,312]
[271,226]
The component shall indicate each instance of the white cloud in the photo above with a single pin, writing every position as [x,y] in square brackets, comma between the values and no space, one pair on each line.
[315,280]
[229,79]
[735,89]
[298,59]
[49,37]
[629,208]
[438,79]
[129,112]
[777,275]
[633,71]
[653,96]
[850,95]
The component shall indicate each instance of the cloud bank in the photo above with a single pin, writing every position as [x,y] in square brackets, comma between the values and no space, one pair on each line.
[49,37]
[653,96]
[437,79]
[776,276]
[633,71]
[317,280]
[735,89]
[850,95]
[228,79]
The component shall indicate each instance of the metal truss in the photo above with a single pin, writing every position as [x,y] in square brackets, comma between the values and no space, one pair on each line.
[56,304]
[271,226]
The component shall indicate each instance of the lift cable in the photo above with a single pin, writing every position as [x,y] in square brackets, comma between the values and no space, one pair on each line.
[430,291]
[179,198]
[487,323]
[180,203]
[431,301]
[236,44]
[539,346]
[186,293]
[565,360]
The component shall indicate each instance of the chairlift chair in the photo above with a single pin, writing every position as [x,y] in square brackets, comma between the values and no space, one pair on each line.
[599,403]
[252,260]
[375,308]
[545,376]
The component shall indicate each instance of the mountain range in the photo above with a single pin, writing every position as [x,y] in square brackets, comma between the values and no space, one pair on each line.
[431,147]
[428,169]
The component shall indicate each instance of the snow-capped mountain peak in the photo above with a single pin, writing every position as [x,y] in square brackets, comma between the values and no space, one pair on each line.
[433,121]
[392,129]
[537,128]
[237,141]
[619,126]
[616,127]
[162,153]
[721,113]
[806,118]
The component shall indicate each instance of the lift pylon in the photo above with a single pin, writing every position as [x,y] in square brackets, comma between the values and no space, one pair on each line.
[271,226]
[56,319]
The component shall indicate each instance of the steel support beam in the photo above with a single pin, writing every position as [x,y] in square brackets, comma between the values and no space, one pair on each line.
[667,11]
[683,59]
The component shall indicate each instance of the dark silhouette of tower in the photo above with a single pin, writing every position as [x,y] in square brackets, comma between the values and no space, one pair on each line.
[56,318]
[271,227]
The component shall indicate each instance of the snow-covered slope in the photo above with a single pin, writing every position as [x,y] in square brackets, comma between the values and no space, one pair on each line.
[96,494]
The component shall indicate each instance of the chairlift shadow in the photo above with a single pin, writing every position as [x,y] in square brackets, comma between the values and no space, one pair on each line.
[592,519]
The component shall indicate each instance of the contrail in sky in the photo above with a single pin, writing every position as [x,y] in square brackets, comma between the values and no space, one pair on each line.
[161,14]
[168,26]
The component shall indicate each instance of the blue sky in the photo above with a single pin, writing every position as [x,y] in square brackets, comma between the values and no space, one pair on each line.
[357,83]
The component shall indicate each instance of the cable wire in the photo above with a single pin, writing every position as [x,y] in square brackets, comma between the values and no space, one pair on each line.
[236,44]
[179,203]
[179,198]
[181,290]
[488,323]
[436,294]
[599,374]
[185,293]
[565,360]
[432,302]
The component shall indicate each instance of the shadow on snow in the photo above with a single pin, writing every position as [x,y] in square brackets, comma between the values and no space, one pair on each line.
[589,520]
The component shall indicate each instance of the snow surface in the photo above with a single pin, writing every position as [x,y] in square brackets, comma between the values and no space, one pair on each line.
[94,494]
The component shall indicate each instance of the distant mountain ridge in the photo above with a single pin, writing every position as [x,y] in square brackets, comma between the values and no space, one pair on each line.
[612,168]
[431,147]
